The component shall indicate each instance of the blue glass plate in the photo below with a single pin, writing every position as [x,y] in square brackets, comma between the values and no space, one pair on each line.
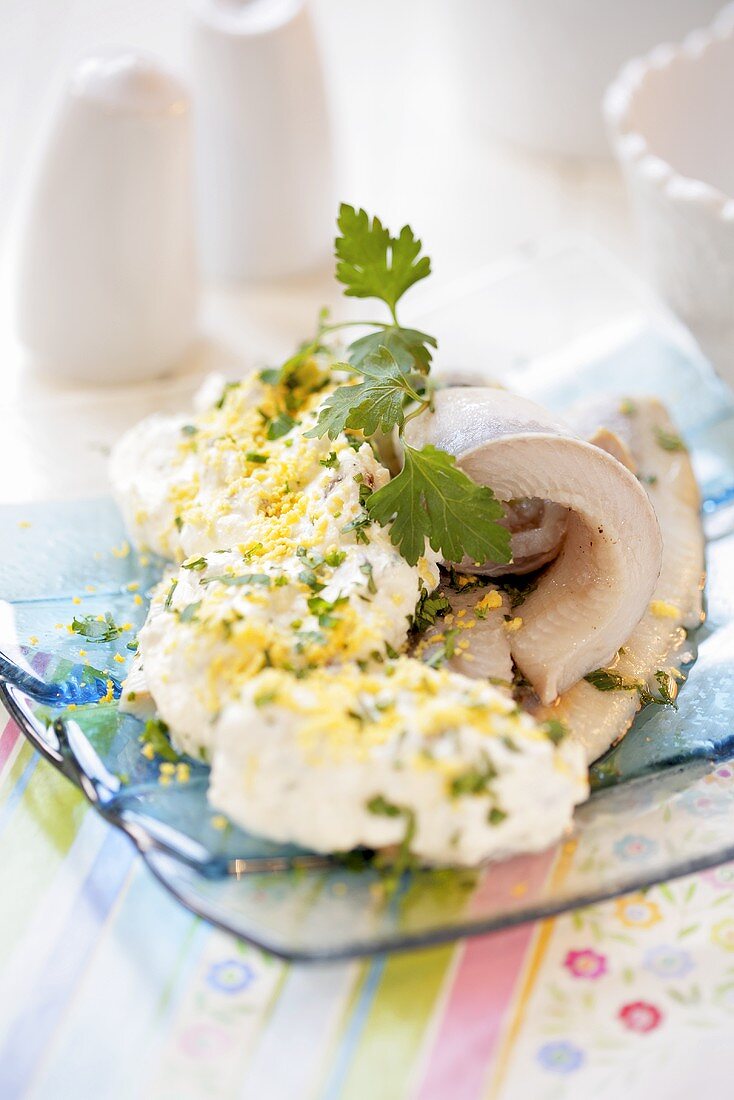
[663,801]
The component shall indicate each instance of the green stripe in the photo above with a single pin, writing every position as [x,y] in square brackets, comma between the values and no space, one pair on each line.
[37,838]
[396,1025]
[15,771]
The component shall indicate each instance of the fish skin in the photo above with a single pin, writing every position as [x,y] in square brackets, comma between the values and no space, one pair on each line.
[590,599]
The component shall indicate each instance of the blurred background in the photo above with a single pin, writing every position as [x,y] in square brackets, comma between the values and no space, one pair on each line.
[479,121]
[423,95]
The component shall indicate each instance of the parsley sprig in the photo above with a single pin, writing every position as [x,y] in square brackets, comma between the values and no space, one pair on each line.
[431,498]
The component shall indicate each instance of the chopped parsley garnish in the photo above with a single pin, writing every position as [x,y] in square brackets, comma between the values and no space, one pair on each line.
[403,861]
[188,614]
[555,730]
[335,558]
[155,734]
[428,609]
[189,429]
[97,628]
[309,578]
[518,591]
[245,578]
[280,426]
[308,638]
[475,780]
[270,376]
[668,688]
[604,679]
[445,650]
[331,462]
[169,594]
[367,570]
[197,564]
[324,609]
[258,459]
[357,527]
[228,387]
[669,441]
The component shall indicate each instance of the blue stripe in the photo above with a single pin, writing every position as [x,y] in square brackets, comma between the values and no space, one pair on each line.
[350,1039]
[35,1024]
[8,809]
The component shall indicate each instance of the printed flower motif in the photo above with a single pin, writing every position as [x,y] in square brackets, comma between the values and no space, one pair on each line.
[709,803]
[640,1016]
[722,933]
[668,962]
[585,963]
[560,1057]
[724,771]
[231,976]
[205,1041]
[634,847]
[721,878]
[636,911]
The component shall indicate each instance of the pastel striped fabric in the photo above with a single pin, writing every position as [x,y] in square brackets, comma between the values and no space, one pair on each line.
[110,989]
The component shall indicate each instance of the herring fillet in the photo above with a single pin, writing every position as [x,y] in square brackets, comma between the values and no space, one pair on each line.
[590,599]
[482,644]
[596,719]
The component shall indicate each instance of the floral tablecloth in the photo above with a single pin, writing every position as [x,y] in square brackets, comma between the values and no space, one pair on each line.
[109,989]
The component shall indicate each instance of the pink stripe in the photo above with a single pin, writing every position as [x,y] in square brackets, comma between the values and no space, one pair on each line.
[10,735]
[482,989]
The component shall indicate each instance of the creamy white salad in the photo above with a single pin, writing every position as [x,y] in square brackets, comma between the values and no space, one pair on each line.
[395,617]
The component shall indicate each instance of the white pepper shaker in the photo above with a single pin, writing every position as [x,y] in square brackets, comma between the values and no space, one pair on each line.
[263,145]
[107,285]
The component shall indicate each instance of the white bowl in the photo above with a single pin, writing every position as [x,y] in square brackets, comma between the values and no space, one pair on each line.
[669,116]
[534,71]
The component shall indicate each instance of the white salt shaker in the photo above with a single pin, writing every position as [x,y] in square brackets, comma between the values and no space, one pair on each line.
[107,286]
[263,148]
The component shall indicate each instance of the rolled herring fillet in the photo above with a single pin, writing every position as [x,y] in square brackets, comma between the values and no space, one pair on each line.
[659,642]
[590,599]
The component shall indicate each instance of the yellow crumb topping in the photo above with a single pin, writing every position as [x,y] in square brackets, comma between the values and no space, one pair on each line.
[489,602]
[663,610]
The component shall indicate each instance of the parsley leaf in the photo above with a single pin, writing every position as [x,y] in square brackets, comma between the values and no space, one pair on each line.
[431,498]
[376,404]
[373,264]
[410,348]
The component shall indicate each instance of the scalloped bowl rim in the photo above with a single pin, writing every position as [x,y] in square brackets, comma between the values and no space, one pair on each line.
[633,147]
